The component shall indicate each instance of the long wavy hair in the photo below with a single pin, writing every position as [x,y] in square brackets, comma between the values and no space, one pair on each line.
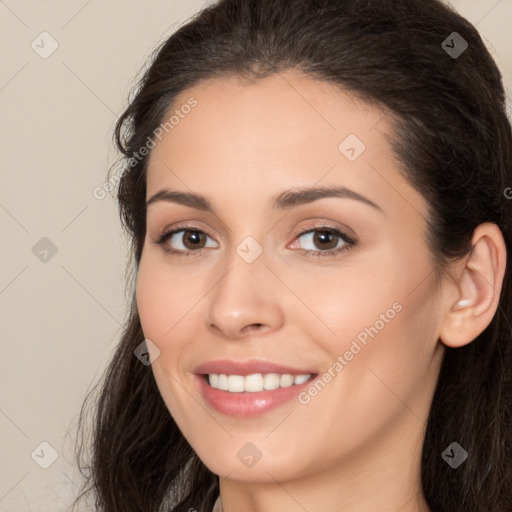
[453,140]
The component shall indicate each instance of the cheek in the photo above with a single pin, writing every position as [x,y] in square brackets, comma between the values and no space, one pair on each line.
[351,297]
[163,298]
[382,318]
[161,307]
[150,294]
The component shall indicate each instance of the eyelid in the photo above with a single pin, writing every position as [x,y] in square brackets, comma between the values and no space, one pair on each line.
[185,226]
[336,226]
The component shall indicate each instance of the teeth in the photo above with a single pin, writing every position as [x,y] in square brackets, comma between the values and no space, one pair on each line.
[235,383]
[255,382]
[223,382]
[300,379]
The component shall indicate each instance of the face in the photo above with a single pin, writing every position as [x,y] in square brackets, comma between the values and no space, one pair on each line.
[340,286]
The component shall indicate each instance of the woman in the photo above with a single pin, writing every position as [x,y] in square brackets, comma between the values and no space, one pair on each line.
[316,196]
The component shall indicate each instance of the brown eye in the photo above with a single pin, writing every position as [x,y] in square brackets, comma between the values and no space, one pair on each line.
[193,239]
[183,241]
[325,240]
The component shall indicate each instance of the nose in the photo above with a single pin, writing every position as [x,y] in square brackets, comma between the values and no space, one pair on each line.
[245,300]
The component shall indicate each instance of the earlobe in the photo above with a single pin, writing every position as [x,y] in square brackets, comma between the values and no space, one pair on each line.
[478,288]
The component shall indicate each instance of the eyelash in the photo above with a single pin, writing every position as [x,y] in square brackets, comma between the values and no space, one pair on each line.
[349,241]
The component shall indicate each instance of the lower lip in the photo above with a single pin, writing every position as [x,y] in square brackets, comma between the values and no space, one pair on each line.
[248,404]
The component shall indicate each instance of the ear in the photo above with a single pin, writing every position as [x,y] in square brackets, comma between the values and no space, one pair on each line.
[475,297]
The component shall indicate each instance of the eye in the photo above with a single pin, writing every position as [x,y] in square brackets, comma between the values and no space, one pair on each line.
[189,240]
[193,241]
[330,240]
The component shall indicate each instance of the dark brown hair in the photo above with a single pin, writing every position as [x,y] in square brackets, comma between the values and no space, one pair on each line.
[453,140]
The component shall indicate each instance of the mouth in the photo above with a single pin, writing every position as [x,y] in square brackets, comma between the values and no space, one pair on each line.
[249,396]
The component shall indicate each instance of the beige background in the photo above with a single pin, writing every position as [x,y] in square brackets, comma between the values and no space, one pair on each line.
[61,319]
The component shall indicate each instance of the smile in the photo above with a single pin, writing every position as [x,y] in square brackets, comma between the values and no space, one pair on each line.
[256,399]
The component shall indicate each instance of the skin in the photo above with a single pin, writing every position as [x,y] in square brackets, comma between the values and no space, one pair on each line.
[356,445]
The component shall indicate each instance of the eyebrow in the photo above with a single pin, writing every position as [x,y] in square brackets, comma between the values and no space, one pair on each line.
[283,201]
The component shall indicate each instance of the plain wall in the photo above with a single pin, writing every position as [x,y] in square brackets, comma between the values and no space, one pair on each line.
[61,318]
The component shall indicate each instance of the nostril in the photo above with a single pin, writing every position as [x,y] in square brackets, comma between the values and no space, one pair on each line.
[252,327]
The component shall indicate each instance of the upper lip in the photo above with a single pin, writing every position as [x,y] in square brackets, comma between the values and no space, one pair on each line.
[227,367]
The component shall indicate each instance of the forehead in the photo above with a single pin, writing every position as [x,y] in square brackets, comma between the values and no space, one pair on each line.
[261,136]
[268,117]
